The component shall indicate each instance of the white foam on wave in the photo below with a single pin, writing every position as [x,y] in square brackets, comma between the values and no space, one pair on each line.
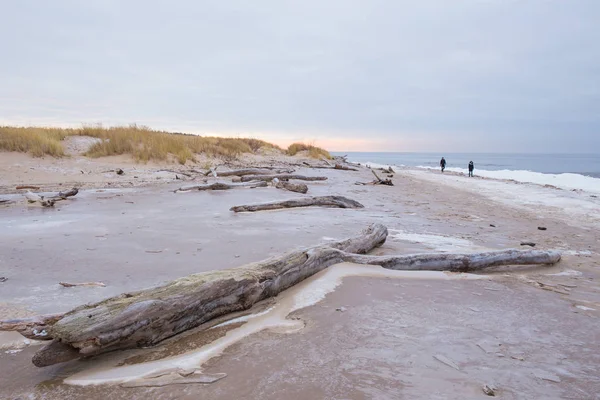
[566,181]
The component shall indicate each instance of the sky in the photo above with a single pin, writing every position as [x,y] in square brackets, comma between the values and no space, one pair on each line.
[352,75]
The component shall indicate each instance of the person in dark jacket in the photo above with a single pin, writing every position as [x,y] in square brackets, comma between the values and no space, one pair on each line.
[443,164]
[471,168]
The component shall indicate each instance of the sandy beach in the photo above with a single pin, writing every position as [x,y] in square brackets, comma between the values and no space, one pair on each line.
[530,332]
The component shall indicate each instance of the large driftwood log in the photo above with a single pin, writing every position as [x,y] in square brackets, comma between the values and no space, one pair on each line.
[282,177]
[319,201]
[292,187]
[221,186]
[49,201]
[254,171]
[457,262]
[149,316]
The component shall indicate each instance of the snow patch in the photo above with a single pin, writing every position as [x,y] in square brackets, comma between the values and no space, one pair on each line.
[436,242]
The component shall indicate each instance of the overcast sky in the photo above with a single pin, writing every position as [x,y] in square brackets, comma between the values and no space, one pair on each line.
[380,75]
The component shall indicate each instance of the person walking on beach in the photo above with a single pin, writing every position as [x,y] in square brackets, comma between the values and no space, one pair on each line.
[471,168]
[443,164]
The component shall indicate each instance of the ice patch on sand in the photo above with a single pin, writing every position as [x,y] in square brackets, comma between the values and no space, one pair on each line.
[436,242]
[576,253]
[568,272]
[564,181]
[586,308]
[243,318]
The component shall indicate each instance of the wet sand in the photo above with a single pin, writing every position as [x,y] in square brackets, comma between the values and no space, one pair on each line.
[382,346]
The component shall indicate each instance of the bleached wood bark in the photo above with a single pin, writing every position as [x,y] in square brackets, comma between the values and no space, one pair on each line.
[281,177]
[319,201]
[221,186]
[292,187]
[49,201]
[253,171]
[149,316]
[458,262]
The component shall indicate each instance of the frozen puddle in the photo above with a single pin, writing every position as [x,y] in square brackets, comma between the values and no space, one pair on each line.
[436,242]
[306,293]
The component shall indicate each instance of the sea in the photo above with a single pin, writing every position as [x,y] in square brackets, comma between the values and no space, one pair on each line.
[566,171]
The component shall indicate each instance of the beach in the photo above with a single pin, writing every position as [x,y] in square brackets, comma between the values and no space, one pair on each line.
[529,332]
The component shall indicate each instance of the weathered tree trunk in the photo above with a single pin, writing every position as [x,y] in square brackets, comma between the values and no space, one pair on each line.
[49,201]
[221,186]
[281,177]
[319,201]
[344,168]
[458,262]
[254,171]
[292,187]
[149,316]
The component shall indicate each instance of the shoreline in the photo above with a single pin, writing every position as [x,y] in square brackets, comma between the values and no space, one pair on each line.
[127,237]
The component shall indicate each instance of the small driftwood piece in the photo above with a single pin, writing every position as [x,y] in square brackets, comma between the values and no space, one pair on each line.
[319,201]
[377,181]
[292,187]
[30,187]
[175,172]
[222,186]
[146,317]
[282,177]
[254,171]
[336,166]
[344,167]
[49,201]
[32,328]
[67,284]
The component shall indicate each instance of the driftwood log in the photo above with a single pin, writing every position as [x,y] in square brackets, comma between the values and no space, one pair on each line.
[221,186]
[49,201]
[67,284]
[344,167]
[253,171]
[377,181]
[292,187]
[318,201]
[282,177]
[147,317]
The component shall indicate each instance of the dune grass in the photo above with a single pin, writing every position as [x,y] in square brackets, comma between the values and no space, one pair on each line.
[35,141]
[142,143]
[313,151]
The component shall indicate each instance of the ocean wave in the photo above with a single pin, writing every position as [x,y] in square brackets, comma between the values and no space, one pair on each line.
[567,181]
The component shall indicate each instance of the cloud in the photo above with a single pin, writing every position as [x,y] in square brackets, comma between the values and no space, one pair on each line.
[465,75]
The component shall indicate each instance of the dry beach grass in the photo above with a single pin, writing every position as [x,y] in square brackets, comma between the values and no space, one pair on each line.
[142,143]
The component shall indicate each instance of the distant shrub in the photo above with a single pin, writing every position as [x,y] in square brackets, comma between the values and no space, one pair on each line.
[313,151]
